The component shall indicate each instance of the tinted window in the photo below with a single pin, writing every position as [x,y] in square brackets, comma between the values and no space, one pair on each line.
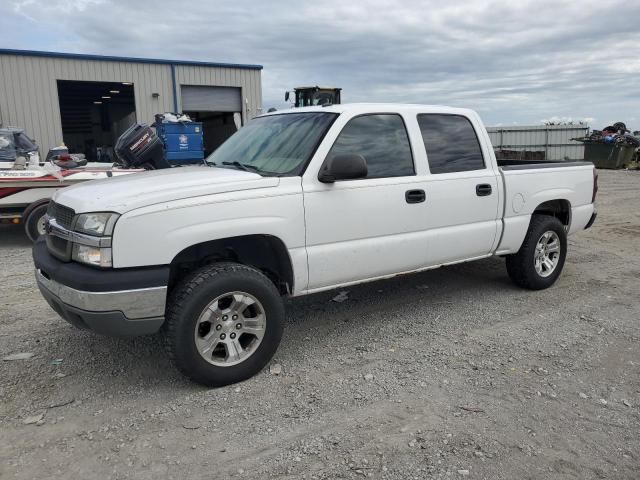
[383,142]
[274,144]
[451,143]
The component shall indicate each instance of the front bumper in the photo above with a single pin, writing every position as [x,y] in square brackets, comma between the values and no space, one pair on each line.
[591,220]
[88,298]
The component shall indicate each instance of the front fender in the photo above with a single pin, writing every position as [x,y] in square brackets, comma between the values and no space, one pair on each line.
[155,235]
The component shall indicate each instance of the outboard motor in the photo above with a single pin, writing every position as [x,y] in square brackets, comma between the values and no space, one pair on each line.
[140,147]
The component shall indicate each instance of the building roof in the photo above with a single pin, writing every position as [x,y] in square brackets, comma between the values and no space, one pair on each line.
[109,58]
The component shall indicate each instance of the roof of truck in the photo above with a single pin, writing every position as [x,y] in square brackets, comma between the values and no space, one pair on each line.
[359,108]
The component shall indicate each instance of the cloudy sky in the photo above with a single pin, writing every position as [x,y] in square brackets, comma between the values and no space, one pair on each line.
[515,61]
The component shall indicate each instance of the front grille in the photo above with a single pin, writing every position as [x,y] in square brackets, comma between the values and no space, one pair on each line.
[63,215]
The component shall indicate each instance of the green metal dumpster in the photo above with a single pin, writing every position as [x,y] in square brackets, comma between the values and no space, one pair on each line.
[608,155]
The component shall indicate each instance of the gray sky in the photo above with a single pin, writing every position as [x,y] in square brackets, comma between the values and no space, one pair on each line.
[515,61]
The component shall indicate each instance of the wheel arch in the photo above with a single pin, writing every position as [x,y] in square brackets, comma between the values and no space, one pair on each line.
[266,253]
[559,208]
[33,205]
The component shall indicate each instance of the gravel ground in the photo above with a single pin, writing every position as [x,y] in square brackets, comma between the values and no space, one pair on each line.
[450,373]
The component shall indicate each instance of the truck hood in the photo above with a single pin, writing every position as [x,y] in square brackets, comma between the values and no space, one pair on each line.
[128,192]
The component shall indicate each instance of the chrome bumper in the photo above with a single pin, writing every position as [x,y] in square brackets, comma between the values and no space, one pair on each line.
[134,304]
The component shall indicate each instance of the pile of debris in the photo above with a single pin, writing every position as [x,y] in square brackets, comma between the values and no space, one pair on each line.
[616,133]
[170,117]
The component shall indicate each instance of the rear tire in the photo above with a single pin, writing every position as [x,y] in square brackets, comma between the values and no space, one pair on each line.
[224,324]
[34,223]
[540,260]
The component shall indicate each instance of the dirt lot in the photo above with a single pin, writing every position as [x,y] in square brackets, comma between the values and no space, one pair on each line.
[451,373]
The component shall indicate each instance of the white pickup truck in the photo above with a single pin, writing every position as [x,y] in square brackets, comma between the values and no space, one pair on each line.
[298,202]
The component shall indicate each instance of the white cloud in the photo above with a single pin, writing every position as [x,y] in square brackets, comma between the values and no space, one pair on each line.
[33,9]
[512,61]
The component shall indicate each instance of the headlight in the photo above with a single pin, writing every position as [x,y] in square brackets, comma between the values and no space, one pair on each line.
[95,248]
[97,256]
[98,224]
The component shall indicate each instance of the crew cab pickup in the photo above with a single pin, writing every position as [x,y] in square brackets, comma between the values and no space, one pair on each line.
[298,202]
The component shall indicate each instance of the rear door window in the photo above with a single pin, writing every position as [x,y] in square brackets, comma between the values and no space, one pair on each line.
[383,142]
[451,143]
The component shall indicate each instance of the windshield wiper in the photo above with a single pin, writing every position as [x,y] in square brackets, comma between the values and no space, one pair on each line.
[243,166]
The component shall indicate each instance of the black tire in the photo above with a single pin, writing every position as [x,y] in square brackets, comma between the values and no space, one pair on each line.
[521,266]
[32,220]
[189,300]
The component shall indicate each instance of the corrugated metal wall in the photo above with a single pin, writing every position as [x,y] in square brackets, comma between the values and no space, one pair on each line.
[548,142]
[29,92]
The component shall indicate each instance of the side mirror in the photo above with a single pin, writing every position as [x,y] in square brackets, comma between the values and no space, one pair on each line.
[343,167]
[286,96]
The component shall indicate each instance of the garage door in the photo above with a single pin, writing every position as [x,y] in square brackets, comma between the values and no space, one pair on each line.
[211,99]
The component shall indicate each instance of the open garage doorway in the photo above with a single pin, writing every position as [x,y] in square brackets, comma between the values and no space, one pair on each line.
[218,108]
[94,115]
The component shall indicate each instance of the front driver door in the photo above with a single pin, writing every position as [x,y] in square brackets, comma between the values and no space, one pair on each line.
[370,227]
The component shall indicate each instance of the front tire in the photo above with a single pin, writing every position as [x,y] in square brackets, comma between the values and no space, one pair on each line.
[540,260]
[224,324]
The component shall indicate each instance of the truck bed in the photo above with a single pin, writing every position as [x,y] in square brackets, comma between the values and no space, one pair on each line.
[530,184]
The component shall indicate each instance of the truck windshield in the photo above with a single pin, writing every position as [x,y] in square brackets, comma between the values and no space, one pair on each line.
[275,144]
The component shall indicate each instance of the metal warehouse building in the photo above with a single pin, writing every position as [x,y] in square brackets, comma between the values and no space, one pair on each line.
[538,142]
[87,101]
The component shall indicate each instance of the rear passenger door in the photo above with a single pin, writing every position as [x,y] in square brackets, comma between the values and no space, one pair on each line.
[370,227]
[463,190]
